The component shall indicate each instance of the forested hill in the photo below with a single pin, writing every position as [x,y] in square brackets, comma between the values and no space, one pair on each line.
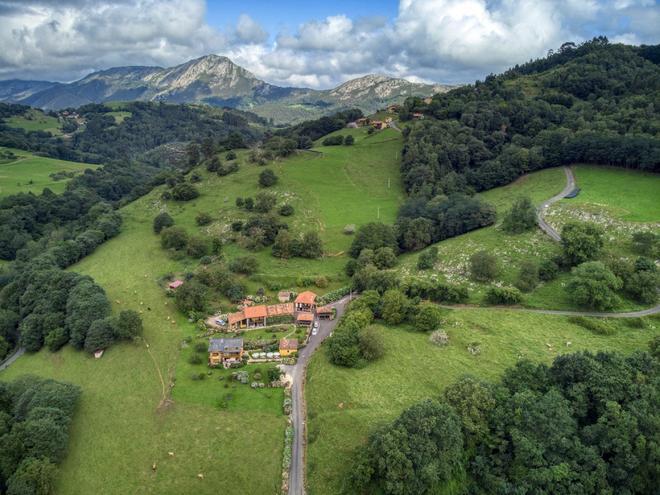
[593,103]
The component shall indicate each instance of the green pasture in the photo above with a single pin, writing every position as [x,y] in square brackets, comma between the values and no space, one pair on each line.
[35,120]
[344,405]
[31,173]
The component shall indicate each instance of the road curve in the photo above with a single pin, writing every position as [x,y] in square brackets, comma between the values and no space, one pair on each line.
[545,226]
[299,412]
[7,362]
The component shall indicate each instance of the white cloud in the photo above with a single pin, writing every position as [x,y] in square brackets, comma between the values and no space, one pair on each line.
[430,40]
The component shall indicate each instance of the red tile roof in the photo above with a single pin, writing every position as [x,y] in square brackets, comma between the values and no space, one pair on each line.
[235,317]
[175,284]
[305,316]
[255,311]
[289,344]
[307,297]
[324,309]
[280,309]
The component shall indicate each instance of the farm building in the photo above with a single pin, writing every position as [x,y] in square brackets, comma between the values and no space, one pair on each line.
[175,285]
[225,350]
[258,316]
[305,318]
[288,347]
[378,124]
[325,312]
[284,296]
[361,122]
[306,301]
[352,125]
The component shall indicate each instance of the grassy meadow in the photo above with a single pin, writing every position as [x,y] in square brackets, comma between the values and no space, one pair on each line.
[31,173]
[35,120]
[344,405]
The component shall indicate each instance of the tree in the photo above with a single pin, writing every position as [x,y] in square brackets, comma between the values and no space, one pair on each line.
[473,400]
[502,295]
[203,218]
[184,191]
[230,155]
[395,307]
[267,178]
[646,243]
[193,154]
[373,236]
[371,344]
[427,259]
[56,339]
[85,304]
[311,245]
[581,242]
[207,148]
[197,247]
[265,202]
[528,276]
[593,285]
[384,257]
[161,221]
[427,318]
[191,296]
[101,334]
[431,430]
[483,266]
[33,477]
[283,247]
[246,265]
[521,217]
[349,140]
[129,325]
[214,164]
[173,238]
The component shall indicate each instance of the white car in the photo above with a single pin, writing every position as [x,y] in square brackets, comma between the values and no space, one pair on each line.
[315,331]
[316,324]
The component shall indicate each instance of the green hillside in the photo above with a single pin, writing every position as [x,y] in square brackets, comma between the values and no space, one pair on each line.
[30,173]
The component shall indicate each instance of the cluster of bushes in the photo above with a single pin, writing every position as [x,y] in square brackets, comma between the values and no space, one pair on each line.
[586,424]
[35,416]
[382,258]
[307,245]
[263,202]
[181,191]
[351,345]
[215,165]
[338,140]
[177,239]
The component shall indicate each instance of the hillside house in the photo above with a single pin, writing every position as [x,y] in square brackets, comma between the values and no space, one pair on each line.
[175,285]
[306,301]
[363,121]
[288,347]
[378,124]
[223,351]
[258,316]
[417,116]
[352,125]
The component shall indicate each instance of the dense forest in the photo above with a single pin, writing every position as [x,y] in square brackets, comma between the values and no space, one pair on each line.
[587,424]
[35,415]
[597,103]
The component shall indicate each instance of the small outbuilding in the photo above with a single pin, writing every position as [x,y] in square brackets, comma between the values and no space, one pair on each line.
[284,296]
[175,285]
[325,312]
[288,347]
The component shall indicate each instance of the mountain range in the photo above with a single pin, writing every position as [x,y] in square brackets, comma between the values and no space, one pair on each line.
[214,80]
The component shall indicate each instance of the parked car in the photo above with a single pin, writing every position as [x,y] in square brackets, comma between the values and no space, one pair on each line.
[316,324]
[315,330]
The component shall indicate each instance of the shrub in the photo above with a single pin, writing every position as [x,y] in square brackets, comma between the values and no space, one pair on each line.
[174,238]
[196,358]
[246,265]
[503,295]
[439,338]
[444,292]
[184,191]
[321,282]
[214,164]
[162,220]
[428,317]
[384,258]
[286,210]
[267,178]
[371,344]
[581,242]
[197,247]
[264,202]
[349,140]
[200,347]
[593,285]
[521,217]
[236,226]
[599,327]
[646,243]
[528,277]
[333,140]
[349,229]
[483,266]
[230,155]
[427,259]
[203,218]
[548,270]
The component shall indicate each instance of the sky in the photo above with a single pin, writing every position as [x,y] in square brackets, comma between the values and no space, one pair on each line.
[309,43]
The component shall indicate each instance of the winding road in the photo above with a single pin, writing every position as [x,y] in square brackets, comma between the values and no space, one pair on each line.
[545,226]
[299,413]
[7,362]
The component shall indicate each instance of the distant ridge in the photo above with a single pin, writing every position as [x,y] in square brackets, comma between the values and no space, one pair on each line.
[214,80]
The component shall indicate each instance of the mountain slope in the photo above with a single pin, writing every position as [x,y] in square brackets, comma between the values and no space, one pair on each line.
[214,80]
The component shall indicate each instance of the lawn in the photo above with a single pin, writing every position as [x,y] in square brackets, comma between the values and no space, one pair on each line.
[31,173]
[344,405]
[35,120]
[123,426]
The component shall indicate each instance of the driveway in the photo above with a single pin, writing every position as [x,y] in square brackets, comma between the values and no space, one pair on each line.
[299,412]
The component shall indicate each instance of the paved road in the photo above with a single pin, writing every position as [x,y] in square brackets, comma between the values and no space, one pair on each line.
[545,226]
[7,362]
[630,314]
[299,412]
